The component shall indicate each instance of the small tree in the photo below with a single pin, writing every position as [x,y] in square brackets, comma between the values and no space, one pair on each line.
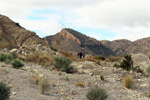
[4,91]
[127,63]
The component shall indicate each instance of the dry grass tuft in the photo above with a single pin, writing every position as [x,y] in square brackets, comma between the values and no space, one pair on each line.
[129,82]
[80,84]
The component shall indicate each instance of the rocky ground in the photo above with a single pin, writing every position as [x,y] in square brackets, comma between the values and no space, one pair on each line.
[66,86]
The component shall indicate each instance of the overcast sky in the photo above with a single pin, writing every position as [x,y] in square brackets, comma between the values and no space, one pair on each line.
[101,19]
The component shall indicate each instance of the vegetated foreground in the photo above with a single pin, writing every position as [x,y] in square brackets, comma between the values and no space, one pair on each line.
[27,82]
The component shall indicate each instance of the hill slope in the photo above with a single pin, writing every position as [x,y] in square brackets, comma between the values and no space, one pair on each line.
[13,35]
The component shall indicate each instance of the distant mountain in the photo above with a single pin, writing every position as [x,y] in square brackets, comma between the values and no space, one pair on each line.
[14,35]
[73,41]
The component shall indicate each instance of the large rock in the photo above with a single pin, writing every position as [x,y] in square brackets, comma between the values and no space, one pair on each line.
[141,60]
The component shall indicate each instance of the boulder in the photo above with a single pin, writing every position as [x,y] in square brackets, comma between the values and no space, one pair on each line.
[13,50]
[141,60]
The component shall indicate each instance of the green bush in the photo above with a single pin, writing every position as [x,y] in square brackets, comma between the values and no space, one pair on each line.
[127,63]
[4,91]
[3,57]
[7,58]
[96,94]
[63,64]
[17,64]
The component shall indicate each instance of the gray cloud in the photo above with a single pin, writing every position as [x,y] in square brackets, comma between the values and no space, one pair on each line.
[129,18]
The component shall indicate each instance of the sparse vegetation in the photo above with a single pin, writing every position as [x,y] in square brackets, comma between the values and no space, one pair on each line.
[4,91]
[116,65]
[129,82]
[71,56]
[17,64]
[112,58]
[100,57]
[44,85]
[40,58]
[63,64]
[148,71]
[96,94]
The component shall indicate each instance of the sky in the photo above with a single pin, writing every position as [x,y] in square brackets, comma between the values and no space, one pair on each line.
[100,19]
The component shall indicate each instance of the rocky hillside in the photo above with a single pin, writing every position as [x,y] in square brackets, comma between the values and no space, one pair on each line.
[120,47]
[14,35]
[71,40]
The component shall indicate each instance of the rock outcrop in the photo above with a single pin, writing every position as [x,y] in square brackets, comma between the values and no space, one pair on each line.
[14,35]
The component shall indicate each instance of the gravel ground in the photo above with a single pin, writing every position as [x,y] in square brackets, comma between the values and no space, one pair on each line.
[65,86]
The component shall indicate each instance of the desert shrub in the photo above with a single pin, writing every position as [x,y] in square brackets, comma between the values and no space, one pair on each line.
[44,85]
[17,64]
[3,57]
[63,64]
[80,84]
[129,82]
[40,58]
[100,57]
[96,94]
[102,77]
[148,71]
[7,58]
[127,63]
[4,91]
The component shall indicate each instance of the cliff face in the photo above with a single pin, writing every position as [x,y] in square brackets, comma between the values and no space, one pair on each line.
[14,35]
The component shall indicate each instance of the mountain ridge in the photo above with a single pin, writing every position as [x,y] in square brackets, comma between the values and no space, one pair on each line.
[105,47]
